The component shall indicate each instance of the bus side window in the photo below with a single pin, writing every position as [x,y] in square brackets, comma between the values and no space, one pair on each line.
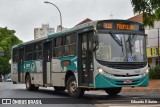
[40,55]
[15,55]
[84,46]
[70,44]
[58,47]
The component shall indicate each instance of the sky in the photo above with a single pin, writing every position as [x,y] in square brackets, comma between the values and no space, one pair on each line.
[25,15]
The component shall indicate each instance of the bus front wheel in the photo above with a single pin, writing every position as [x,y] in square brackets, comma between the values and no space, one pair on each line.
[113,91]
[72,88]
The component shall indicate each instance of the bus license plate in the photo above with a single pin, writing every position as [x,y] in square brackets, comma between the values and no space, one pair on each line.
[127,81]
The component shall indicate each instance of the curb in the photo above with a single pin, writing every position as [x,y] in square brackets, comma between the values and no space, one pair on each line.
[132,90]
[141,90]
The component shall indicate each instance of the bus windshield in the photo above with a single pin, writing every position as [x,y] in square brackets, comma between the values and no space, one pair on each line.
[121,48]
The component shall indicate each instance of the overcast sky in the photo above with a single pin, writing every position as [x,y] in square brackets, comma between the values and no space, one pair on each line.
[25,15]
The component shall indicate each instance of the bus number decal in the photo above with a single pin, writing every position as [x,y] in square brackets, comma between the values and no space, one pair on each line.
[27,65]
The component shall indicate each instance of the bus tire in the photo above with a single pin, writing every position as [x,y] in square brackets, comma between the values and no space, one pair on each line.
[29,86]
[72,88]
[59,88]
[35,88]
[113,91]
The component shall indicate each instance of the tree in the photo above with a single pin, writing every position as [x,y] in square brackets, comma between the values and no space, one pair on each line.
[149,8]
[7,40]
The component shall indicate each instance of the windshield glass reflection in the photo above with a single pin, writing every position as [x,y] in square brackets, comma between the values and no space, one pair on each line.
[121,48]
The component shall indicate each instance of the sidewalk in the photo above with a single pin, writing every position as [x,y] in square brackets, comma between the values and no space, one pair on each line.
[154,86]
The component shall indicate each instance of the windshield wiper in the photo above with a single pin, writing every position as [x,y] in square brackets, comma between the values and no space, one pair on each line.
[130,45]
[131,41]
[116,39]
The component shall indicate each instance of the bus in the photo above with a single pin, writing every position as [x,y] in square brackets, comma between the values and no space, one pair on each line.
[98,55]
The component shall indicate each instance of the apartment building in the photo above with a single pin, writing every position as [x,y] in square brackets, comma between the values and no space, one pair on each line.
[43,31]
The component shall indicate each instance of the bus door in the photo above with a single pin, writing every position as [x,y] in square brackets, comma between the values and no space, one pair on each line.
[21,65]
[85,59]
[47,56]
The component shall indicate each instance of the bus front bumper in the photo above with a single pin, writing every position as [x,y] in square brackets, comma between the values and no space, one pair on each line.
[105,82]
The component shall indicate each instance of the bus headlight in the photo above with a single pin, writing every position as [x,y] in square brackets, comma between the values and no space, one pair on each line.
[146,72]
[101,71]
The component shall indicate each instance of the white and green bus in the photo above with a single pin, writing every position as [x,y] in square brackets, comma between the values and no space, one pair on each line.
[104,54]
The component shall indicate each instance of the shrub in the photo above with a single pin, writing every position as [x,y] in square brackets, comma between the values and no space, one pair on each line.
[154,72]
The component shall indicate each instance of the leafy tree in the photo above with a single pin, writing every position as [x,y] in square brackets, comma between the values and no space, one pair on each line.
[149,8]
[7,40]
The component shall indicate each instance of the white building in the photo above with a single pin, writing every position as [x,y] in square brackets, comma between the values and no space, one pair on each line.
[43,31]
[152,44]
[59,28]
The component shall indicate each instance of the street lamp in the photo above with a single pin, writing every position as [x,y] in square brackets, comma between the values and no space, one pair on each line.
[58,11]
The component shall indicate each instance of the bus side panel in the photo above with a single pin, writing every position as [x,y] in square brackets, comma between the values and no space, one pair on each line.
[38,74]
[35,70]
[59,69]
[14,72]
[29,67]
[22,77]
[56,72]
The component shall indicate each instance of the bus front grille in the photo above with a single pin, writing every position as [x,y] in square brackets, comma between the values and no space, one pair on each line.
[116,75]
[123,65]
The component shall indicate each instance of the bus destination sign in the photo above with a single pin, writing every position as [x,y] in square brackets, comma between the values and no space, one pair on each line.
[120,25]
[125,26]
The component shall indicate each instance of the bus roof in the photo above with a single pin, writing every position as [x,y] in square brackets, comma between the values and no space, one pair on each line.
[85,25]
[88,24]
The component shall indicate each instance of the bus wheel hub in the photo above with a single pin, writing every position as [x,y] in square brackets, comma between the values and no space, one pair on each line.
[73,86]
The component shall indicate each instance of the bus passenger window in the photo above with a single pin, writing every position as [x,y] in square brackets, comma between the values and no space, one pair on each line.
[84,46]
[34,55]
[70,44]
[58,47]
[15,55]
[58,52]
[40,55]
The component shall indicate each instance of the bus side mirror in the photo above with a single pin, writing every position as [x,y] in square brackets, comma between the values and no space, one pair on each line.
[146,38]
[95,42]
[95,39]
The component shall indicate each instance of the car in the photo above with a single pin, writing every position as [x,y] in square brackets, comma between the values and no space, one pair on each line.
[8,80]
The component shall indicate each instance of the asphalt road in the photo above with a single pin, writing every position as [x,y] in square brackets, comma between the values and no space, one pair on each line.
[49,98]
